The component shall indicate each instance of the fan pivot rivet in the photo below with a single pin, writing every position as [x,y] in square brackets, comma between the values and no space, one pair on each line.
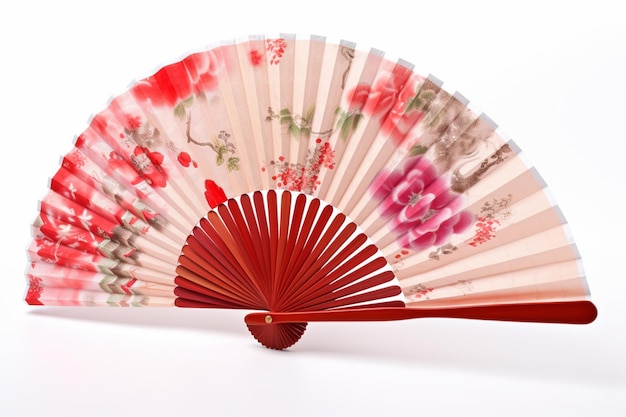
[268,319]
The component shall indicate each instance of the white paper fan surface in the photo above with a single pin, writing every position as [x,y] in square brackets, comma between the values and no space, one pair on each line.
[310,181]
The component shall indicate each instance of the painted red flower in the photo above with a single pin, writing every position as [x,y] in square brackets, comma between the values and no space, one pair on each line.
[203,68]
[304,177]
[326,155]
[34,290]
[118,165]
[132,122]
[74,158]
[171,84]
[255,57]
[99,124]
[167,86]
[148,163]
[184,159]
[214,194]
[485,230]
[46,249]
[276,49]
[420,205]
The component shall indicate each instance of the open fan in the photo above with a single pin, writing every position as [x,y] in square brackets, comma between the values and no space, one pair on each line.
[311,181]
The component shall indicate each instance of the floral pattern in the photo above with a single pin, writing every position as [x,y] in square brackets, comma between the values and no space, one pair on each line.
[222,146]
[418,291]
[82,181]
[276,49]
[420,205]
[395,99]
[491,216]
[304,177]
[174,83]
[297,125]
[185,160]
[148,163]
[34,290]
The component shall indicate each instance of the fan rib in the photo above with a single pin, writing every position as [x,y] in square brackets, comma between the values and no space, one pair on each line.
[316,244]
[334,267]
[283,242]
[259,209]
[272,218]
[254,230]
[223,242]
[249,240]
[357,299]
[313,229]
[238,246]
[299,254]
[328,249]
[327,288]
[290,250]
[218,282]
[201,244]
[320,279]
[194,292]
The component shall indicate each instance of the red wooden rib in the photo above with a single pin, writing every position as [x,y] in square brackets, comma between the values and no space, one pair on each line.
[568,312]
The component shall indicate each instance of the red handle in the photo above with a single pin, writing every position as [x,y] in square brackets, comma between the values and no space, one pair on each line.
[571,312]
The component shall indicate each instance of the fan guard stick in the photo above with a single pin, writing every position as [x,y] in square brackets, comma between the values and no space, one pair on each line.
[567,312]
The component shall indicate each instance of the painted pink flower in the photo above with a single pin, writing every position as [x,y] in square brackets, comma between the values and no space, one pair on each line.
[358,97]
[399,121]
[387,99]
[420,205]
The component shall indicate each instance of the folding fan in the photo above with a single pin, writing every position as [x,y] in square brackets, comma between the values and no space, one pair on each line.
[310,181]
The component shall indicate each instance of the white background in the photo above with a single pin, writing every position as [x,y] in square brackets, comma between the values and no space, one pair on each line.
[551,74]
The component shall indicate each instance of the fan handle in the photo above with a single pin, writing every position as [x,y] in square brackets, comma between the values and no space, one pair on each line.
[567,312]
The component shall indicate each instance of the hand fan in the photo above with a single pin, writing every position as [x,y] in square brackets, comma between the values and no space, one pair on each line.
[310,181]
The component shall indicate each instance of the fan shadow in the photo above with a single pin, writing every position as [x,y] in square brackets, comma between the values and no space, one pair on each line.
[534,351]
